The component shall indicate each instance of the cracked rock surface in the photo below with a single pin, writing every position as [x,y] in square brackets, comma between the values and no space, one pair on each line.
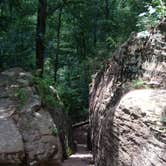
[25,126]
[128,104]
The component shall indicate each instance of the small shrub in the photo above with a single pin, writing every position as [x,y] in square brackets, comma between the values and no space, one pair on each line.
[49,98]
[55,131]
[137,84]
[69,151]
[22,96]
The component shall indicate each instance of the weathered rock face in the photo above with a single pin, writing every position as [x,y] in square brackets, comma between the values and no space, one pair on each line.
[128,125]
[64,130]
[26,128]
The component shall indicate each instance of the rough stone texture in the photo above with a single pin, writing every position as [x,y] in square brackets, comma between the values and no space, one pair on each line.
[64,129]
[11,149]
[39,143]
[124,129]
[26,127]
[133,131]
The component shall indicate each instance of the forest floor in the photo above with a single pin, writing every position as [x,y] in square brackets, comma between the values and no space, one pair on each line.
[81,158]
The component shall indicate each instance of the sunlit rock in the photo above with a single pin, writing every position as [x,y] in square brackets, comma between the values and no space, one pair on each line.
[128,104]
[26,127]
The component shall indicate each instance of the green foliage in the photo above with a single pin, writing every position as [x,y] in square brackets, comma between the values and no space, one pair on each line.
[69,151]
[89,31]
[137,84]
[48,96]
[111,42]
[54,131]
[155,10]
[72,102]
[22,96]
[17,28]
[123,20]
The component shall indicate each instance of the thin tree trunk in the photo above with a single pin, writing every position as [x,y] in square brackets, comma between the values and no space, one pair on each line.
[40,32]
[107,12]
[95,32]
[85,70]
[56,60]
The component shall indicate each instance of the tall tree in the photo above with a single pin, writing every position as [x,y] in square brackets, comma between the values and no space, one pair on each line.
[107,9]
[40,32]
[80,35]
[56,59]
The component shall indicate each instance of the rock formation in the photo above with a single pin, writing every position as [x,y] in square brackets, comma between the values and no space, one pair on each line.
[27,131]
[128,103]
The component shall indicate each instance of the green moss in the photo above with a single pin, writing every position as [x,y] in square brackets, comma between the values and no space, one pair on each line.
[69,151]
[137,84]
[22,96]
[54,131]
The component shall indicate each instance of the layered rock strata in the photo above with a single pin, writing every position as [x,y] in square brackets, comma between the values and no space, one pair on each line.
[128,103]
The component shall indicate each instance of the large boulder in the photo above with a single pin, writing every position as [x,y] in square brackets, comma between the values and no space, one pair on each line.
[28,134]
[128,125]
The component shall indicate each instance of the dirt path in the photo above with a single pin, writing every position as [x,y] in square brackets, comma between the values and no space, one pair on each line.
[81,158]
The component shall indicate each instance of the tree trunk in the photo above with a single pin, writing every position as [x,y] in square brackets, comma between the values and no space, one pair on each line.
[40,32]
[85,68]
[95,32]
[107,12]
[56,59]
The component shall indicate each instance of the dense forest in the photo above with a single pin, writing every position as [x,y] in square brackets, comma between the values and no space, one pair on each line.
[65,42]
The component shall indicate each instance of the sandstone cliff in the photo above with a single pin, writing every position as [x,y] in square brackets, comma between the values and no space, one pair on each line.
[128,103]
[28,133]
